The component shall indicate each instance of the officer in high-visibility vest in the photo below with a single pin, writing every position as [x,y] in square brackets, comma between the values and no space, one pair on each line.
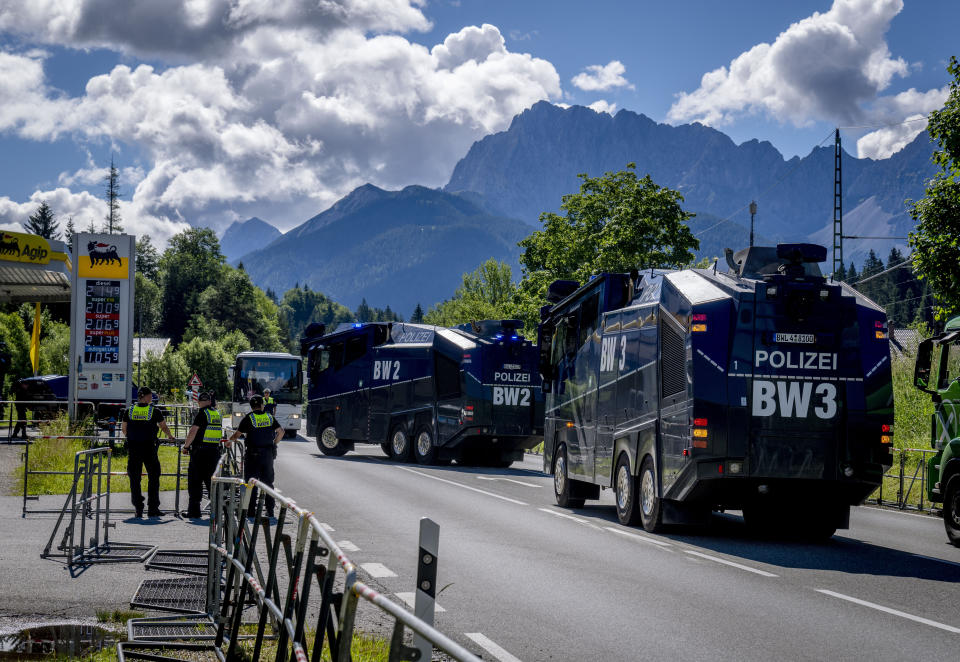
[140,425]
[262,433]
[269,404]
[203,445]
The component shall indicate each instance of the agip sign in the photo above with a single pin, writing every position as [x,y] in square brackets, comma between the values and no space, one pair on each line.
[101,342]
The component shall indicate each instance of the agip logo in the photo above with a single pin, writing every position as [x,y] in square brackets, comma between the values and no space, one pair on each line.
[102,259]
[20,247]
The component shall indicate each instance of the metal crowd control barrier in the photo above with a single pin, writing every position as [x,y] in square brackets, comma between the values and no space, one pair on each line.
[102,441]
[280,576]
[44,406]
[87,500]
[907,481]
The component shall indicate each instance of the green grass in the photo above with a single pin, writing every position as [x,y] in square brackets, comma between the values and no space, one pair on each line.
[364,648]
[119,616]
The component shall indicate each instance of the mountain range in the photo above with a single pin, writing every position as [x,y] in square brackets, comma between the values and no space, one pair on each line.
[244,236]
[400,248]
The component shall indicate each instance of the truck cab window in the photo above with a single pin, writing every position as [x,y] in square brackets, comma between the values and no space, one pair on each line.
[949,365]
[356,347]
[589,318]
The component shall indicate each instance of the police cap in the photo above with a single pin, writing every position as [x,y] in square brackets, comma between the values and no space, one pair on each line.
[256,401]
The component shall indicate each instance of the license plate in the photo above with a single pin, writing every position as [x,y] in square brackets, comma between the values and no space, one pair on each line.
[797,338]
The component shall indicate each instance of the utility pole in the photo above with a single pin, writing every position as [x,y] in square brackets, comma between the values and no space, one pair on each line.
[753,212]
[837,205]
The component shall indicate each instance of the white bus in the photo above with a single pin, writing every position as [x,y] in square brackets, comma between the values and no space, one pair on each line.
[281,373]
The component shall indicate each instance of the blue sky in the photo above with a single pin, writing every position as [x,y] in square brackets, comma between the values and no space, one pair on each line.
[218,110]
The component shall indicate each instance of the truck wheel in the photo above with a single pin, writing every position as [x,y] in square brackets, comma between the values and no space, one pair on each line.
[328,443]
[626,485]
[562,482]
[951,510]
[399,444]
[651,516]
[385,447]
[423,448]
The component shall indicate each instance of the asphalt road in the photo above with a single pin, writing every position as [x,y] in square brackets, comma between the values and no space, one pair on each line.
[526,580]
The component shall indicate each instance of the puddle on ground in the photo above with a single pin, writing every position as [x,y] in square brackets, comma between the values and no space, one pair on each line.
[55,640]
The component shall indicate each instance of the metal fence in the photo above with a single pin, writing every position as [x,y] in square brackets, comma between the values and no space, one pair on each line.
[294,575]
[909,474]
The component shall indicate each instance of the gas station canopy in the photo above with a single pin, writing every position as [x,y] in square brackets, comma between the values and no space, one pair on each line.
[33,269]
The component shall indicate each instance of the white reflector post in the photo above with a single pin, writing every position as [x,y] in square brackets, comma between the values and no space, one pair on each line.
[426,595]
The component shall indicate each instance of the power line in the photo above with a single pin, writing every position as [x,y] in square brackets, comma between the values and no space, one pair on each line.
[906,261]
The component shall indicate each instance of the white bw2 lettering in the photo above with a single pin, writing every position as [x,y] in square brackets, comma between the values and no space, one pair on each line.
[793,399]
[383,370]
[512,396]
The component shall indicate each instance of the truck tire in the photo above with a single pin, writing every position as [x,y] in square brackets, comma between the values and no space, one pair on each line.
[562,485]
[399,444]
[651,515]
[951,510]
[385,447]
[423,448]
[328,443]
[628,512]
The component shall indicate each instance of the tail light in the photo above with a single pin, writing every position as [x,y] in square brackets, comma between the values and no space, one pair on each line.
[886,433]
[700,433]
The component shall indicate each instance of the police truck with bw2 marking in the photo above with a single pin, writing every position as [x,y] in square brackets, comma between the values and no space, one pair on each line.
[766,388]
[428,393]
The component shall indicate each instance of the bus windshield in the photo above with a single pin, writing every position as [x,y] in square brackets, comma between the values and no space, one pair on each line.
[281,376]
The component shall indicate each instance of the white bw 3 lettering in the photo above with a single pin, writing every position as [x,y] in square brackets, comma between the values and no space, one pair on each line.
[512,396]
[793,399]
[608,353]
[388,370]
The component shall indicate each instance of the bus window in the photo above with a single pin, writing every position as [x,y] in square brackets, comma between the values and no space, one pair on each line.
[356,347]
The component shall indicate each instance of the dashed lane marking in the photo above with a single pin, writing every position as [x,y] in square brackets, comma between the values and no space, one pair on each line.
[378,570]
[717,559]
[466,487]
[888,610]
[634,536]
[491,647]
[347,546]
[509,480]
[410,600]
[578,520]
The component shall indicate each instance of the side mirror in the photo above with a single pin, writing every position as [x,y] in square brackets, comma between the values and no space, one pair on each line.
[921,370]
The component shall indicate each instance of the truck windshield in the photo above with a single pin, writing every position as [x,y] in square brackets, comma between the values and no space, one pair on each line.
[281,376]
[950,365]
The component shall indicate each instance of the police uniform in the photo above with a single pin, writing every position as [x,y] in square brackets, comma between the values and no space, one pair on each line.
[204,455]
[269,405]
[143,422]
[259,428]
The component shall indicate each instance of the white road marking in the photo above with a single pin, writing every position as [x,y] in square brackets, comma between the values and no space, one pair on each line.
[509,480]
[634,536]
[327,527]
[410,600]
[347,546]
[888,610]
[491,647]
[378,570]
[717,559]
[466,487]
[578,520]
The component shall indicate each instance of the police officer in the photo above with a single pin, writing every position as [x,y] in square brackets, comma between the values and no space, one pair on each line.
[269,404]
[140,425]
[203,445]
[263,433]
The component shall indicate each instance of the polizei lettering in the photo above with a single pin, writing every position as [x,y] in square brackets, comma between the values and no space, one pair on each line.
[386,370]
[796,360]
[512,377]
[511,396]
[794,399]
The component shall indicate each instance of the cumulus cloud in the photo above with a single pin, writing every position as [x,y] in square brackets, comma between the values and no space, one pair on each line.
[602,106]
[828,66]
[597,78]
[291,104]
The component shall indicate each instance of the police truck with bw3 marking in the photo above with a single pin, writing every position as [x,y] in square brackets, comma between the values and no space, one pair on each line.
[428,393]
[766,388]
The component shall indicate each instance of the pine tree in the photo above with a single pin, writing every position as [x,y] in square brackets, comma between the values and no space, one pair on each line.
[70,232]
[364,313]
[42,223]
[417,317]
[112,196]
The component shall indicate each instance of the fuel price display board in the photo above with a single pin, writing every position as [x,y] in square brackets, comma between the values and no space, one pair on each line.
[101,341]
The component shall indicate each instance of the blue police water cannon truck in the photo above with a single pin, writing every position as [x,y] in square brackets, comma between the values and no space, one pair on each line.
[433,394]
[764,387]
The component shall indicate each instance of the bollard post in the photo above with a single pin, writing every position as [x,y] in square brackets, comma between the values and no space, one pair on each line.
[426,595]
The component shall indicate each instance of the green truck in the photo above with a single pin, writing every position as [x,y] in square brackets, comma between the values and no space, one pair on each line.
[943,476]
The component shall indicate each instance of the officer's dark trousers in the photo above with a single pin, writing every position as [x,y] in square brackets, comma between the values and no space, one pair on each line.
[203,462]
[21,425]
[258,463]
[144,454]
